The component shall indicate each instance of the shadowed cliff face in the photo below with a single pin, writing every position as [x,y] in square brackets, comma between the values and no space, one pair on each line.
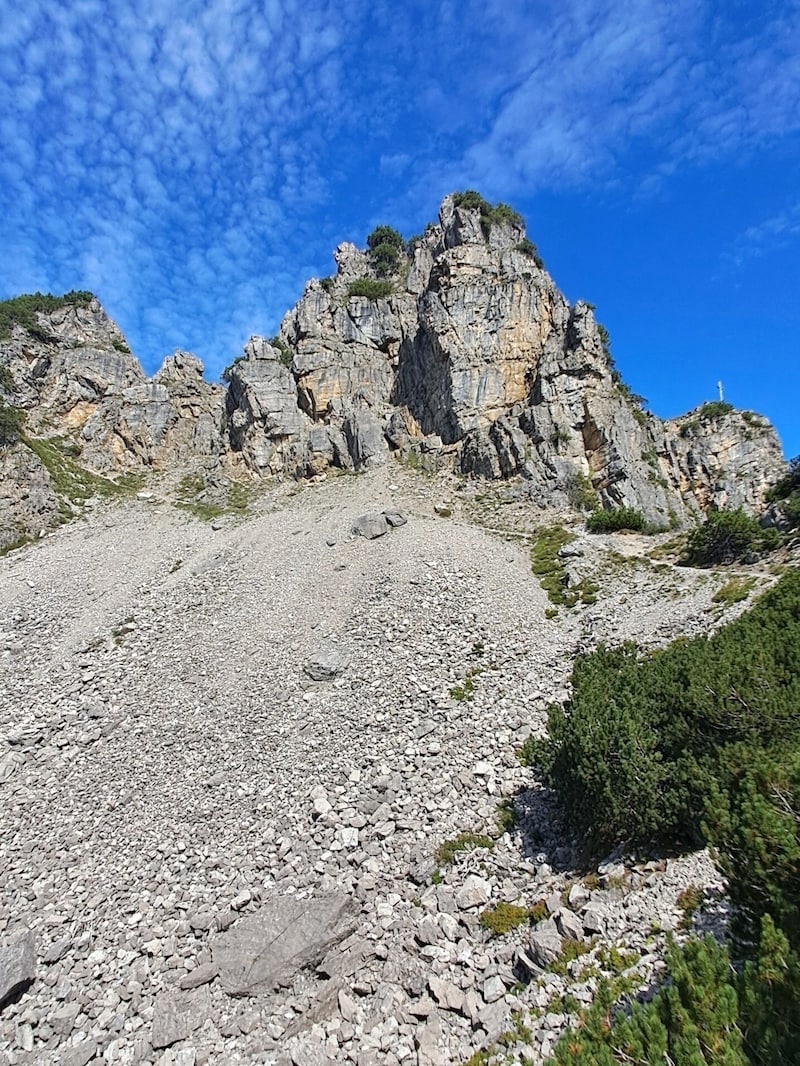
[468,356]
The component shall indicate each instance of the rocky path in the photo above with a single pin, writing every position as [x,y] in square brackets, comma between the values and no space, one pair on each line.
[225,861]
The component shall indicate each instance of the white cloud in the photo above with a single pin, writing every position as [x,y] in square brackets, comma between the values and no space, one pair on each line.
[194,160]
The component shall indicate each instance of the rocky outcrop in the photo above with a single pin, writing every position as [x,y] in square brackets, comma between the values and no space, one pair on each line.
[468,356]
[472,354]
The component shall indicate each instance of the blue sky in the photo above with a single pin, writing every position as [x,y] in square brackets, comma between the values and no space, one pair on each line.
[193,163]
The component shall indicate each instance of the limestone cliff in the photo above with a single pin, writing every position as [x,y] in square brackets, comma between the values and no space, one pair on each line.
[472,353]
[463,353]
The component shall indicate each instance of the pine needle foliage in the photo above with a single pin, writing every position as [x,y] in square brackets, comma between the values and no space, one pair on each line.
[697,743]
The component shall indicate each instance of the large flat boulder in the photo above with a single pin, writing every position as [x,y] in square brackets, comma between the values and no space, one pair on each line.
[264,951]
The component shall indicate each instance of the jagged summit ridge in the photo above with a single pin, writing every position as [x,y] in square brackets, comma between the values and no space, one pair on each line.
[455,349]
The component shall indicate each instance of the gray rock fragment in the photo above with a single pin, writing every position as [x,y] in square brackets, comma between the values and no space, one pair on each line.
[80,1054]
[176,1015]
[545,944]
[9,764]
[371,525]
[17,963]
[446,994]
[595,918]
[326,664]
[395,518]
[200,975]
[265,950]
[569,924]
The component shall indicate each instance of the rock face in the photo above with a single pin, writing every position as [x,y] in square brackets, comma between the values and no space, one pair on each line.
[468,355]
[475,356]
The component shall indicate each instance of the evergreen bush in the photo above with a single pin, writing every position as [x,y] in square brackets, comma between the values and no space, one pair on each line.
[615,520]
[370,288]
[499,214]
[786,493]
[725,537]
[698,742]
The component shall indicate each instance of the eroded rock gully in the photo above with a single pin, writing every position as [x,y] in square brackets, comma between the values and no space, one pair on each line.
[224,861]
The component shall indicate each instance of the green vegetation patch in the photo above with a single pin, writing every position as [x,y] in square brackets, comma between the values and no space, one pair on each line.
[192,497]
[581,493]
[448,850]
[570,951]
[613,521]
[689,902]
[550,570]
[503,918]
[11,422]
[636,752]
[690,1022]
[386,246]
[527,247]
[465,690]
[22,311]
[786,493]
[490,216]
[727,536]
[734,591]
[73,484]
[370,288]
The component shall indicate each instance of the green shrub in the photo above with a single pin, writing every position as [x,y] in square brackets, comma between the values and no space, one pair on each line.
[385,260]
[385,248]
[22,311]
[580,491]
[327,284]
[725,537]
[734,591]
[637,750]
[549,568]
[504,917]
[7,383]
[370,288]
[471,200]
[690,1022]
[615,520]
[227,372]
[698,742]
[11,420]
[286,352]
[385,235]
[715,409]
[499,214]
[560,435]
[119,345]
[605,340]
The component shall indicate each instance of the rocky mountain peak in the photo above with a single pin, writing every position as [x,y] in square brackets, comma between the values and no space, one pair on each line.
[453,349]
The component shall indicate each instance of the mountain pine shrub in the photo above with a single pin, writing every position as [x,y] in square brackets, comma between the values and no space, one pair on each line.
[617,519]
[725,537]
[697,742]
[369,288]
